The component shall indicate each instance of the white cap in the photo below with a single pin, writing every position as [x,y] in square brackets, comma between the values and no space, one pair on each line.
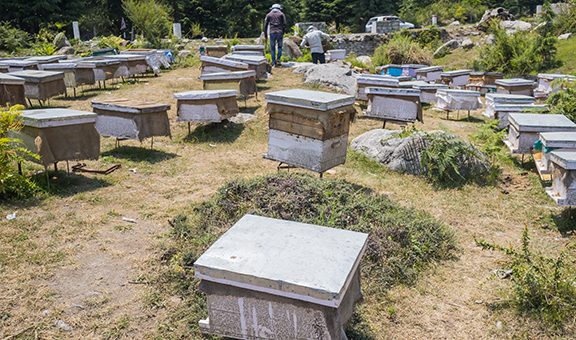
[276,6]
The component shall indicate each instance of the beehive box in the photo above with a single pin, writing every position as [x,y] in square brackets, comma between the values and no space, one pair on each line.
[502,111]
[458,78]
[131,64]
[60,135]
[104,69]
[256,63]
[47,59]
[483,89]
[206,106]
[392,70]
[11,90]
[249,49]
[131,119]
[484,78]
[16,65]
[515,86]
[216,51]
[274,279]
[42,85]
[554,141]
[430,74]
[428,91]
[309,129]
[452,100]
[524,129]
[219,65]
[546,84]
[84,72]
[401,105]
[370,80]
[4,68]
[333,55]
[563,190]
[410,69]
[493,99]
[156,59]
[69,70]
[242,81]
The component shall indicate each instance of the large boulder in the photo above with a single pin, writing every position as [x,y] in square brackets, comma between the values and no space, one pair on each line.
[302,68]
[402,154]
[60,40]
[335,75]
[499,13]
[66,50]
[446,48]
[290,49]
[513,26]
[467,43]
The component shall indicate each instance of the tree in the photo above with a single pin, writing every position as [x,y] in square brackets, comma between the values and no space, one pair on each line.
[149,18]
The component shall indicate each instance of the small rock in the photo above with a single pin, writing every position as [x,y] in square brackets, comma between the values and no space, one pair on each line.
[446,48]
[204,39]
[129,220]
[364,59]
[564,36]
[63,326]
[499,325]
[45,312]
[454,23]
[60,40]
[66,50]
[513,26]
[467,43]
[242,118]
[11,216]
[133,170]
[478,302]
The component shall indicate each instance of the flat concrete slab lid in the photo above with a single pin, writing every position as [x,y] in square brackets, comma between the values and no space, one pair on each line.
[455,73]
[460,92]
[98,62]
[415,66]
[236,75]
[130,106]
[381,81]
[387,66]
[430,69]
[565,159]
[8,79]
[223,62]
[412,83]
[205,94]
[564,139]
[532,122]
[383,91]
[514,82]
[36,76]
[248,48]
[128,57]
[19,62]
[248,59]
[527,108]
[295,260]
[552,76]
[504,97]
[217,47]
[141,51]
[56,117]
[429,86]
[59,66]
[316,100]
[47,58]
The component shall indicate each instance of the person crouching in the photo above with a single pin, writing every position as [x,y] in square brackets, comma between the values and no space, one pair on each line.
[314,39]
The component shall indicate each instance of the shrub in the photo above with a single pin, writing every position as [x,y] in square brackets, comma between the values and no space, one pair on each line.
[352,58]
[402,50]
[110,42]
[12,39]
[427,37]
[12,184]
[489,140]
[44,48]
[543,287]
[149,18]
[564,101]
[467,11]
[565,22]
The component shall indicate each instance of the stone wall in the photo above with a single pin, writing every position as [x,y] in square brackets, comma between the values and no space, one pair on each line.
[361,44]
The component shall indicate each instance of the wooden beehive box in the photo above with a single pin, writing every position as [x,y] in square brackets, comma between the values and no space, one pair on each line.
[563,190]
[242,81]
[256,63]
[275,279]
[219,65]
[401,105]
[309,129]
[60,135]
[430,74]
[458,78]
[554,141]
[524,129]
[42,85]
[131,119]
[217,51]
[206,106]
[372,80]
[104,69]
[516,86]
[454,100]
[409,70]
[16,65]
[502,111]
[84,72]
[131,64]
[69,70]
[249,49]
[11,90]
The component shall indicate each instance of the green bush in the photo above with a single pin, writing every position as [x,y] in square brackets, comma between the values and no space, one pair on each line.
[150,18]
[466,11]
[12,39]
[352,58]
[12,184]
[44,48]
[543,287]
[489,139]
[110,42]
[564,101]
[565,22]
[430,36]
[402,49]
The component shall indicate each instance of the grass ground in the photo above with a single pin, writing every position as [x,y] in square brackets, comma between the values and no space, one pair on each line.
[72,267]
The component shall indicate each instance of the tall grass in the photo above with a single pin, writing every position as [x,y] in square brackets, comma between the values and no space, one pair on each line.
[402,49]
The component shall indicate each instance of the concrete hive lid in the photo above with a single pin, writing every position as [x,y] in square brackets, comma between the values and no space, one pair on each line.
[205,94]
[382,91]
[382,81]
[416,66]
[531,122]
[460,92]
[19,62]
[514,82]
[141,51]
[248,59]
[47,58]
[412,83]
[248,48]
[455,73]
[36,76]
[336,51]
[315,100]
[509,98]
[56,117]
[430,69]
[552,76]
[564,139]
[130,106]
[565,159]
[93,63]
[526,108]
[284,258]
[236,75]
[430,86]
[224,62]
[59,66]
[8,79]
[392,66]
[127,57]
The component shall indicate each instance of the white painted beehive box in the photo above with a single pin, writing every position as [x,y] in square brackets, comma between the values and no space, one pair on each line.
[428,91]
[493,99]
[452,100]
[275,279]
[458,78]
[69,70]
[334,55]
[431,74]
[373,80]
[206,106]
[563,190]
[524,129]
[554,141]
[249,49]
[401,105]
[515,86]
[218,65]
[309,129]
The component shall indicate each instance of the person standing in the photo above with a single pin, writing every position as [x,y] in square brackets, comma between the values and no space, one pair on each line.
[314,39]
[274,27]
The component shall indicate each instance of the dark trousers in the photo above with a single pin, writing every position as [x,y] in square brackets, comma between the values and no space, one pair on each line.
[276,40]
[318,58]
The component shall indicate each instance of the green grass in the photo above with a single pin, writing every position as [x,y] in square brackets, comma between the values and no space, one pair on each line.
[458,59]
[567,54]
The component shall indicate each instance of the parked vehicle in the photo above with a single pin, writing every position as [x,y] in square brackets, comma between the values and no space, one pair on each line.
[392,18]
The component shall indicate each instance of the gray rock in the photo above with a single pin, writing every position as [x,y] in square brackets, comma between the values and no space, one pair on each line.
[291,49]
[242,118]
[63,326]
[335,75]
[61,41]
[446,48]
[467,43]
[454,23]
[66,50]
[499,13]
[364,59]
[513,26]
[301,68]
[490,39]
[564,36]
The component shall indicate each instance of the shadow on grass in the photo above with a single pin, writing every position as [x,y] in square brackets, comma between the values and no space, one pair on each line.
[566,222]
[139,154]
[224,132]
[65,184]
[527,163]
[80,95]
[465,119]
[249,110]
